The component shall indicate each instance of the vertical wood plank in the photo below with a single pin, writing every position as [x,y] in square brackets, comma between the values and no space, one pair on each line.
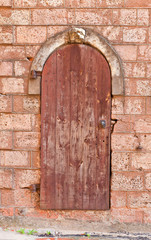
[48,133]
[62,128]
[76,134]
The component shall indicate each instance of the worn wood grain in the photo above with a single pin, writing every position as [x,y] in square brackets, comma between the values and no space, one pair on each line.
[75,150]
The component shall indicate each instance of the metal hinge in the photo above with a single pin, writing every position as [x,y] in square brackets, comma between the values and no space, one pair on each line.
[35,74]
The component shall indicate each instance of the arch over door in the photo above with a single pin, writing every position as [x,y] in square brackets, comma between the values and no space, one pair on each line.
[75,146]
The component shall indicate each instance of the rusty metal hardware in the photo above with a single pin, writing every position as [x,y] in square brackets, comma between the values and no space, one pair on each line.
[35,74]
[102,123]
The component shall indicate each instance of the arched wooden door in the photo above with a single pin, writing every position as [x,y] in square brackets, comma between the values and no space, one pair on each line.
[75,143]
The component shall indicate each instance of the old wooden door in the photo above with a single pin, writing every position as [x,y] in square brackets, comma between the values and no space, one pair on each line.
[75,144]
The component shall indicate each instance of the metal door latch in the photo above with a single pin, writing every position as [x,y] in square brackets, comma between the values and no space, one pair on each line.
[102,123]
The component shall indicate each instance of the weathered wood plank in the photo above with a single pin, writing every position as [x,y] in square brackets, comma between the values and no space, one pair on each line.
[48,133]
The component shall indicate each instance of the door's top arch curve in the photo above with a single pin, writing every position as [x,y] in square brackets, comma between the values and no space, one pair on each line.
[83,36]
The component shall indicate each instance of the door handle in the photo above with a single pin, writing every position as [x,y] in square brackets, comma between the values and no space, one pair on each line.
[102,123]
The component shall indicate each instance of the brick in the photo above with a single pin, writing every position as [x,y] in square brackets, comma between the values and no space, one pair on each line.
[15,159]
[112,33]
[26,140]
[143,17]
[18,197]
[36,122]
[25,3]
[14,17]
[118,199]
[5,178]
[127,181]
[135,69]
[134,105]
[142,124]
[6,3]
[50,16]
[35,158]
[12,52]
[51,3]
[134,35]
[12,85]
[7,198]
[137,87]
[139,199]
[21,68]
[28,34]
[31,51]
[141,161]
[148,105]
[117,105]
[110,3]
[143,87]
[128,53]
[94,17]
[145,142]
[136,3]
[124,142]
[148,70]
[5,140]
[6,68]
[28,104]
[120,161]
[127,215]
[7,212]
[15,122]
[148,181]
[144,52]
[6,34]
[25,178]
[5,103]
[52,30]
[124,17]
[123,123]
[147,215]
[80,4]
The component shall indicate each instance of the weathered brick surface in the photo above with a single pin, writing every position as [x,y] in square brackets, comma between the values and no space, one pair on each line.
[5,103]
[15,122]
[141,161]
[6,3]
[21,68]
[5,140]
[14,17]
[12,85]
[25,178]
[118,199]
[26,140]
[12,52]
[6,34]
[6,178]
[120,161]
[28,104]
[24,26]
[30,34]
[139,200]
[15,159]
[125,181]
[6,68]
[127,215]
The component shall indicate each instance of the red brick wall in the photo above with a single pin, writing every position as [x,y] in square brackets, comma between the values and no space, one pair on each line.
[24,26]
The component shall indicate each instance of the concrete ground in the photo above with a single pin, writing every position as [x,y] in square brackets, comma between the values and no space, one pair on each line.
[71,230]
[74,235]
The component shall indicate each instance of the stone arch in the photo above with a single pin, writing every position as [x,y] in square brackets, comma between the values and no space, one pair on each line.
[83,36]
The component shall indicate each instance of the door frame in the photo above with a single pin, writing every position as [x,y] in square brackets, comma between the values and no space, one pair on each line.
[83,36]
